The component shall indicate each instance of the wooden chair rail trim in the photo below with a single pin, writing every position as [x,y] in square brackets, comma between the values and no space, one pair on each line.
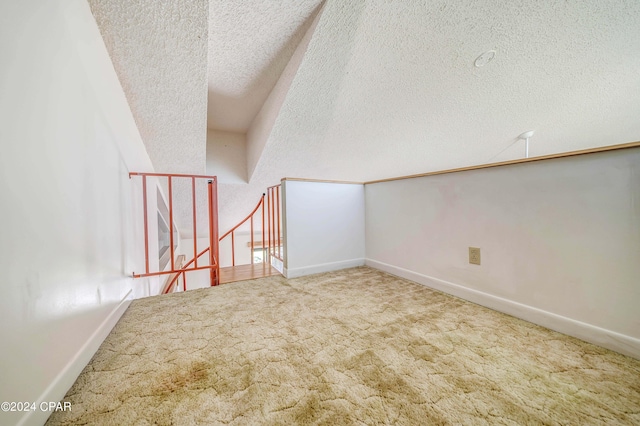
[520,161]
[321,181]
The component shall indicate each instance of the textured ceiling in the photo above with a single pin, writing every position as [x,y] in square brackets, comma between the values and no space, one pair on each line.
[159,51]
[250,43]
[389,88]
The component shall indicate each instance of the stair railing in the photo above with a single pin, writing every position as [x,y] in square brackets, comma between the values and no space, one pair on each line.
[169,287]
[271,221]
[274,219]
[173,279]
[212,213]
[248,218]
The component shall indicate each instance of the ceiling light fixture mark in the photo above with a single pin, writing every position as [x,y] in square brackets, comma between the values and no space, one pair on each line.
[485,58]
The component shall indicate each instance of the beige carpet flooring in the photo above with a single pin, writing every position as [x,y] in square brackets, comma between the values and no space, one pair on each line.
[350,347]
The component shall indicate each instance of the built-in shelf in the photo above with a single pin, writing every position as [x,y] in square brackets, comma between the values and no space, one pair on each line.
[164,238]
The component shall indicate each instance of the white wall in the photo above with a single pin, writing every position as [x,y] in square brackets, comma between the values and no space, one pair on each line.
[559,239]
[227,156]
[323,226]
[242,249]
[67,241]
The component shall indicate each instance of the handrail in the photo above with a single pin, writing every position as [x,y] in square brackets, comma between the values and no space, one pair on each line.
[171,279]
[178,175]
[245,219]
[199,256]
[271,225]
[212,198]
[242,222]
[184,279]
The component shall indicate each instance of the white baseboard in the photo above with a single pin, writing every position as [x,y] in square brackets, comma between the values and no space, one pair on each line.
[590,333]
[67,377]
[324,267]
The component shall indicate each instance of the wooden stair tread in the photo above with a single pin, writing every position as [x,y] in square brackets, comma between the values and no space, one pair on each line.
[231,274]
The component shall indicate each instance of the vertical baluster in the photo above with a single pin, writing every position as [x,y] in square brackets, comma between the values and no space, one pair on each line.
[173,267]
[278,220]
[268,226]
[273,220]
[146,224]
[233,249]
[195,233]
[251,251]
[211,253]
[216,246]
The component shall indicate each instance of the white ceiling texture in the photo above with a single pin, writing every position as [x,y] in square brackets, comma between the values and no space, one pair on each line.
[159,52]
[363,90]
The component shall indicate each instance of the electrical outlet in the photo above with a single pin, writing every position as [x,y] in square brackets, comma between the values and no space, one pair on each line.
[474,255]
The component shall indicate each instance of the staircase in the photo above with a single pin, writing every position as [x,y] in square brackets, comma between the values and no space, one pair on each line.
[267,213]
[258,259]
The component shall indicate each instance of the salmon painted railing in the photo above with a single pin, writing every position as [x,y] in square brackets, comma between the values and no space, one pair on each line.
[250,218]
[271,223]
[212,213]
[275,220]
[174,280]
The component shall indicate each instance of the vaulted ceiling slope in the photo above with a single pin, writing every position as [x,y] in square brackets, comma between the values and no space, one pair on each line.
[159,51]
[390,88]
[250,43]
[372,89]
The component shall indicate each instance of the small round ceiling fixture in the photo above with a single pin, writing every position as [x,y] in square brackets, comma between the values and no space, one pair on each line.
[485,58]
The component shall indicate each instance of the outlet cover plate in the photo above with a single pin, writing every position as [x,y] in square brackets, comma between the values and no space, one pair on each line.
[474,255]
